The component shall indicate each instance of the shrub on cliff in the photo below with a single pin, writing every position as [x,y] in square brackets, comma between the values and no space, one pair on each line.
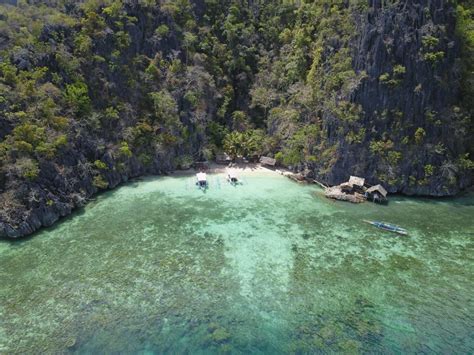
[27,168]
[100,182]
[77,96]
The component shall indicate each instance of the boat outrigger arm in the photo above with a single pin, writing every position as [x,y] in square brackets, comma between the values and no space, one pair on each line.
[388,227]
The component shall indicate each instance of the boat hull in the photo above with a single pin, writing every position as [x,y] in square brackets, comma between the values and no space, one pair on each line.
[388,227]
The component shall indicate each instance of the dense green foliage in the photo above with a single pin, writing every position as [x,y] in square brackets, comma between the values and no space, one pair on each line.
[76,68]
[465,28]
[182,80]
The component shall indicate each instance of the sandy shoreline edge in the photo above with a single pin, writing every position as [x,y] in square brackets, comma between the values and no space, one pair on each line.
[243,169]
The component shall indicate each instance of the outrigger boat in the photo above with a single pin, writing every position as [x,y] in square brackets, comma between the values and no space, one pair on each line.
[388,227]
[232,177]
[201,180]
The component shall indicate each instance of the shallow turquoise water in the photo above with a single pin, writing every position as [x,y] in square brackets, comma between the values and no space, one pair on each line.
[158,266]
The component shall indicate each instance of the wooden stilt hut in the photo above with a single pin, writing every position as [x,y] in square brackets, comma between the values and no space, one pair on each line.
[357,184]
[223,158]
[377,193]
[355,191]
[268,161]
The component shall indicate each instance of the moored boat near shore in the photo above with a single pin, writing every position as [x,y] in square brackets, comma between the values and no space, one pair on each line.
[388,227]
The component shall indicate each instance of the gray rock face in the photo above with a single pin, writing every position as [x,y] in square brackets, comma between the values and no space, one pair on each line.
[409,54]
[405,53]
[56,194]
[66,182]
[9,2]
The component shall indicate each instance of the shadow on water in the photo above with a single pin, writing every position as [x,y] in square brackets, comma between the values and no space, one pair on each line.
[79,211]
[44,231]
[465,198]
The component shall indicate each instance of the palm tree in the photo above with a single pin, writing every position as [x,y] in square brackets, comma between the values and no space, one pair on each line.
[242,143]
[234,144]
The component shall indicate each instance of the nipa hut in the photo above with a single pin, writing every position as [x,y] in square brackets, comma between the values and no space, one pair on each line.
[223,158]
[357,184]
[268,161]
[355,191]
[352,190]
[377,193]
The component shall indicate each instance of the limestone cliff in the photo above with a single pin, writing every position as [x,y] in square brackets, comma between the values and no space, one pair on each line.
[410,98]
[94,93]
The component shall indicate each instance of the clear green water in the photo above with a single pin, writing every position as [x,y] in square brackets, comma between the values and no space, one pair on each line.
[269,267]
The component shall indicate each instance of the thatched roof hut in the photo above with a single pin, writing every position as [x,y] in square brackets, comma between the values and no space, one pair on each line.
[223,158]
[356,181]
[267,161]
[377,189]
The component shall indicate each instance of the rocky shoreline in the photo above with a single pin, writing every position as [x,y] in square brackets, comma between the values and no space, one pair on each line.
[46,207]
[55,194]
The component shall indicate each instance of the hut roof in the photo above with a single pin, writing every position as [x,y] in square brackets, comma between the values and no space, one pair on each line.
[222,157]
[358,181]
[378,188]
[268,161]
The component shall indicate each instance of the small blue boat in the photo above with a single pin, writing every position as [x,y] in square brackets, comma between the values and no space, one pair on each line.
[388,227]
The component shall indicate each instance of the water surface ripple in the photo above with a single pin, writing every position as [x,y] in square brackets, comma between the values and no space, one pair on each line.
[158,266]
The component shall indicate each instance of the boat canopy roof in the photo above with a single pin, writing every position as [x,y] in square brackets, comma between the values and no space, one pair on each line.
[232,173]
[201,176]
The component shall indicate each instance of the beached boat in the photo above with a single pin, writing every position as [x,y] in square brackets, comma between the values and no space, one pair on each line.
[201,180]
[232,177]
[388,227]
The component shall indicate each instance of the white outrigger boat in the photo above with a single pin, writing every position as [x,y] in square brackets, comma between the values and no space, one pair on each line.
[232,177]
[201,180]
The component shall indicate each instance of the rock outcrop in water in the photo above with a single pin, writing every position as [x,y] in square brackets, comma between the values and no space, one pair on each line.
[95,93]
